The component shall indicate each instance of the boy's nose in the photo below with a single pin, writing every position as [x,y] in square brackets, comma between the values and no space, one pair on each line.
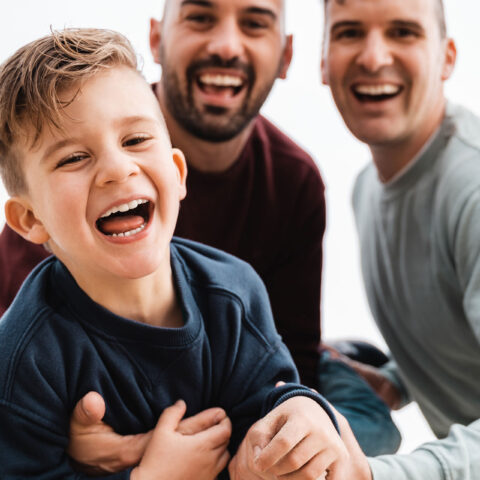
[114,167]
[375,53]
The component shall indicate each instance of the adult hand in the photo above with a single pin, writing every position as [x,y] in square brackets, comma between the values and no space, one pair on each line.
[94,446]
[297,439]
[357,466]
[96,449]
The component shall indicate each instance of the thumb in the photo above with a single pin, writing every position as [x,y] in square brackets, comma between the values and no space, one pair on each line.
[171,416]
[89,410]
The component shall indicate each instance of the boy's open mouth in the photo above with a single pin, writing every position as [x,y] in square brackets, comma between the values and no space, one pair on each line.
[125,219]
[376,93]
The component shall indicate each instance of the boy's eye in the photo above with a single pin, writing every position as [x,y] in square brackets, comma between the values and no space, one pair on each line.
[135,140]
[71,159]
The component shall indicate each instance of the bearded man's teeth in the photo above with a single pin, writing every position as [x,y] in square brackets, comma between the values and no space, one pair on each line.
[130,232]
[374,90]
[221,80]
[124,207]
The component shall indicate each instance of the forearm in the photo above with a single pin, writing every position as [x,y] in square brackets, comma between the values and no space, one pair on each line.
[456,457]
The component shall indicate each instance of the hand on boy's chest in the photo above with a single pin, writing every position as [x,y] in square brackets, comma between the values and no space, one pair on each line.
[139,383]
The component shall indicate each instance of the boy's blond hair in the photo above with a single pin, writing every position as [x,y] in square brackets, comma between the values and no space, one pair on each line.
[32,79]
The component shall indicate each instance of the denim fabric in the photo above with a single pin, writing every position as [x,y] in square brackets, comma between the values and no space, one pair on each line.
[368,416]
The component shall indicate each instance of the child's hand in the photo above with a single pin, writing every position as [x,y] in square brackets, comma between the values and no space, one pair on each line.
[296,439]
[172,455]
[95,447]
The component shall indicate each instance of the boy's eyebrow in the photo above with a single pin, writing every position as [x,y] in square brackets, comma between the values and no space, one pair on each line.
[134,119]
[57,146]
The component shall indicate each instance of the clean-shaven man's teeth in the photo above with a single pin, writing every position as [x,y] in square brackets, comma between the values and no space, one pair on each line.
[386,89]
[130,232]
[124,207]
[221,80]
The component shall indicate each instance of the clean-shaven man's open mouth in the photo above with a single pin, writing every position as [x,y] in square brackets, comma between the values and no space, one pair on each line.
[376,93]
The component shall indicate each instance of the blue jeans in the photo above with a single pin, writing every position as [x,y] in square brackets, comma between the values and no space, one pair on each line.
[368,416]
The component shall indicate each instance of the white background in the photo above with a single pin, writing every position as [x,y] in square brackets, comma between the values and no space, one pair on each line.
[303,108]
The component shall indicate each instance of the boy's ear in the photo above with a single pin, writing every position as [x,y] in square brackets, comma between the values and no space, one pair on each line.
[155,38]
[21,218]
[181,164]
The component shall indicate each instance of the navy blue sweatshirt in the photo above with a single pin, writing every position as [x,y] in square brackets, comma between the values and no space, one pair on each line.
[56,345]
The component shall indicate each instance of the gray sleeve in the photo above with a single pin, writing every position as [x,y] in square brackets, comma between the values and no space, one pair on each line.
[466,250]
[456,457]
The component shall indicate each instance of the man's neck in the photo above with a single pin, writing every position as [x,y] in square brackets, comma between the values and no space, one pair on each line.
[391,158]
[204,155]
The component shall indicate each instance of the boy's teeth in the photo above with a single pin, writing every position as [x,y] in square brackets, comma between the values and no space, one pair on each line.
[386,89]
[130,232]
[124,207]
[221,80]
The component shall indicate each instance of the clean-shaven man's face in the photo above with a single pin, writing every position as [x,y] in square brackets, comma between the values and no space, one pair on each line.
[385,62]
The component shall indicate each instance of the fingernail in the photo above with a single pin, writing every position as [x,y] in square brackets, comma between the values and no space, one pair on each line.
[256,452]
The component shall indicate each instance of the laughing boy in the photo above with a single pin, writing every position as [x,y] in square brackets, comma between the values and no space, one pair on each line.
[121,308]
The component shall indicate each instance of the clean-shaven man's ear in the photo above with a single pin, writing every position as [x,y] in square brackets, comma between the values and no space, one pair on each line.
[181,164]
[286,57]
[450,59]
[21,218]
[155,38]
[323,71]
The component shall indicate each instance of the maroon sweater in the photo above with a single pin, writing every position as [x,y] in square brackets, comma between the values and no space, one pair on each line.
[268,209]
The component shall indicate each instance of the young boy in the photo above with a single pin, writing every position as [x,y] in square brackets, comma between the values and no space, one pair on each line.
[123,309]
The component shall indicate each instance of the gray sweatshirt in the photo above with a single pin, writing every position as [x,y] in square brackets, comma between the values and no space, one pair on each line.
[420,251]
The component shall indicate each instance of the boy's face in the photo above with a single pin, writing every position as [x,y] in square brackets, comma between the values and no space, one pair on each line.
[219,61]
[385,62]
[105,194]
